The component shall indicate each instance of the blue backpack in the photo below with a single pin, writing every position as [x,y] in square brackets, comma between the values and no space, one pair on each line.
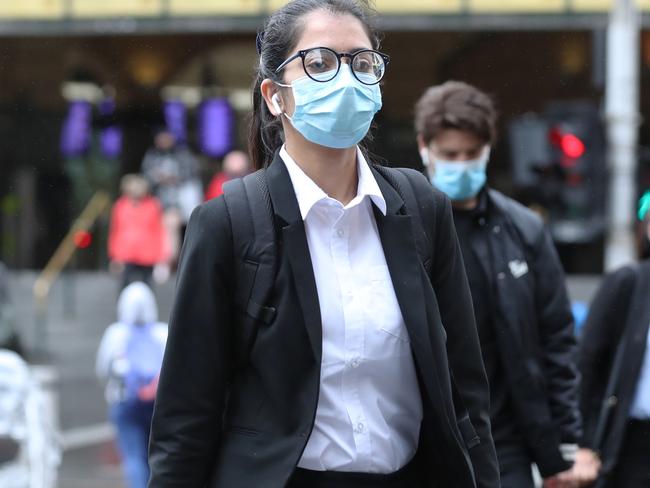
[144,354]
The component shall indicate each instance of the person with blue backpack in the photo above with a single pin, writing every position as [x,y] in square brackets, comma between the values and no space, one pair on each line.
[322,334]
[129,359]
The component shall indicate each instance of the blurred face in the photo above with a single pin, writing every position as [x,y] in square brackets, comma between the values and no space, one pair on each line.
[165,141]
[342,33]
[136,188]
[455,145]
[236,164]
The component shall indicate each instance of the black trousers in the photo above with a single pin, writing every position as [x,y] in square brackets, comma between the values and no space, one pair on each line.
[407,477]
[633,466]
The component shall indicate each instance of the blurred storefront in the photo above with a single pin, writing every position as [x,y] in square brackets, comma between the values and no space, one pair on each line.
[141,54]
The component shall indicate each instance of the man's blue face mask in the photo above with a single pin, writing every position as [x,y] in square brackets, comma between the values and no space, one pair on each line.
[336,113]
[459,180]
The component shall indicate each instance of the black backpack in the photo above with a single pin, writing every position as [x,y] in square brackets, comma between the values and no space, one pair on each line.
[256,249]
[255,239]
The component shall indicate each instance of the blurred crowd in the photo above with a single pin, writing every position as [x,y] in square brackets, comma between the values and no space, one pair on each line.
[149,218]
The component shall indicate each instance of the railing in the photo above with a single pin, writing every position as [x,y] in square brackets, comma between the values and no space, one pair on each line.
[59,260]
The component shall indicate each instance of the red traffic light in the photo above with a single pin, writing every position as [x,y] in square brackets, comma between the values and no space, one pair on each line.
[82,239]
[570,144]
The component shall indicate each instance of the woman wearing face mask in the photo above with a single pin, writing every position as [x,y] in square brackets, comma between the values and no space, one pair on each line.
[519,294]
[347,382]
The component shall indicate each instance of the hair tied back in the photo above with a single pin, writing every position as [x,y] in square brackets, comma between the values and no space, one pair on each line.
[258,41]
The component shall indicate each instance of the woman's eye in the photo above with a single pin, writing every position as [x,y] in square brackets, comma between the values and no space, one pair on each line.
[318,66]
[364,66]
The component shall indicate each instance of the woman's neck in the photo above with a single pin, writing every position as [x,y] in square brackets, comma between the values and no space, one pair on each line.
[333,170]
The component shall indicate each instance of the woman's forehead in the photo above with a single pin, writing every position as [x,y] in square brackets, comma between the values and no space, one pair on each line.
[340,32]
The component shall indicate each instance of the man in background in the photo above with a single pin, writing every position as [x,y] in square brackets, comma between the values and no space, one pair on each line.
[518,288]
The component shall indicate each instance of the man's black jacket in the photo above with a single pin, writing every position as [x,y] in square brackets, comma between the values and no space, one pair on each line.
[612,349]
[535,337]
[221,423]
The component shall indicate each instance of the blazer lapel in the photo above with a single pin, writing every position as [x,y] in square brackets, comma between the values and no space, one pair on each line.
[294,240]
[404,265]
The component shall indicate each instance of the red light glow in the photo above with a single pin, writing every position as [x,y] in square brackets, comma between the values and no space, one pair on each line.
[82,239]
[572,146]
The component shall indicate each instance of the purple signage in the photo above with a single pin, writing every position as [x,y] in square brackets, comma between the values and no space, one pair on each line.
[216,119]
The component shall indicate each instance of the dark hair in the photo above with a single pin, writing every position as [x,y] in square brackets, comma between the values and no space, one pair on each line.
[455,105]
[274,45]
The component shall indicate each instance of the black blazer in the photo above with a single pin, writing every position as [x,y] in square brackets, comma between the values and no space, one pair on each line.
[612,349]
[221,422]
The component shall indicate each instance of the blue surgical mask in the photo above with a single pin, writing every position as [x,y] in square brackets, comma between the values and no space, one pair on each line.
[459,180]
[336,113]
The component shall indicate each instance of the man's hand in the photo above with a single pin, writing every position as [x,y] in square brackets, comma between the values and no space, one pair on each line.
[586,467]
[565,479]
[583,473]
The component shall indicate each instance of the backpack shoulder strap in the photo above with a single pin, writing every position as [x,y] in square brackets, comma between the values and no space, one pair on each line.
[254,243]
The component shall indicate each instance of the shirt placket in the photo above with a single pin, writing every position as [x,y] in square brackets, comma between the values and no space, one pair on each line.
[354,342]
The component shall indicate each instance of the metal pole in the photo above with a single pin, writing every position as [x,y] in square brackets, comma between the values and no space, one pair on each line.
[622,116]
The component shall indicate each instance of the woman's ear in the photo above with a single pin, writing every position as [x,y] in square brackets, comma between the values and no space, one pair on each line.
[271,97]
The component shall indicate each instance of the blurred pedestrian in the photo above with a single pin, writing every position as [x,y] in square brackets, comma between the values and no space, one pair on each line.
[518,288]
[174,174]
[235,165]
[326,365]
[30,451]
[615,366]
[128,360]
[137,241]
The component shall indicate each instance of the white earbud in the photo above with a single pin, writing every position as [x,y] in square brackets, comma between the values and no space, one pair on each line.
[276,104]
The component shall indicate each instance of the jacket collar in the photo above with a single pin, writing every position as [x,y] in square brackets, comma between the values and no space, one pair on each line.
[285,202]
[308,193]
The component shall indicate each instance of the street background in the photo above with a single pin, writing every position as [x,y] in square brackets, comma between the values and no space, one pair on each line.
[84,85]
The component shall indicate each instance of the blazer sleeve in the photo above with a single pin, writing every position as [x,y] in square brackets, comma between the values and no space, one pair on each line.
[466,361]
[557,340]
[599,342]
[191,394]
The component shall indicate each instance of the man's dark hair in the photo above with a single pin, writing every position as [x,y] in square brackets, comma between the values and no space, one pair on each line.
[455,105]
[274,45]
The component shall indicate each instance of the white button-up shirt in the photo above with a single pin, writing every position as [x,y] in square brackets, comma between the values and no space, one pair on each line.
[369,408]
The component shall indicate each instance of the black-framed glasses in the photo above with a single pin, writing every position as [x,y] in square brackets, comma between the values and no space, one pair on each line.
[323,64]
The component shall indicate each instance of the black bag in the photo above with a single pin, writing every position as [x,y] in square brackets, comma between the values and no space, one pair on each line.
[256,248]
[255,238]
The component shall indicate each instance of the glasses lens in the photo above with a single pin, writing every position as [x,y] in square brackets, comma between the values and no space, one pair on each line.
[369,67]
[321,64]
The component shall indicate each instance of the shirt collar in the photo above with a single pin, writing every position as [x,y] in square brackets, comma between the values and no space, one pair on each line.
[308,193]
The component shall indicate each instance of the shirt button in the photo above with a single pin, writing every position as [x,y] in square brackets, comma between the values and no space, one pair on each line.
[501,276]
[355,362]
[340,232]
[496,229]
[481,221]
[359,428]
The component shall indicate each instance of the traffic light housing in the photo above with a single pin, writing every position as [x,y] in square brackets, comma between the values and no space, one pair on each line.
[559,164]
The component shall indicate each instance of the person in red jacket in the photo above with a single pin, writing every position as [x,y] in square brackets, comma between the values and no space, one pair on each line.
[137,241]
[235,165]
